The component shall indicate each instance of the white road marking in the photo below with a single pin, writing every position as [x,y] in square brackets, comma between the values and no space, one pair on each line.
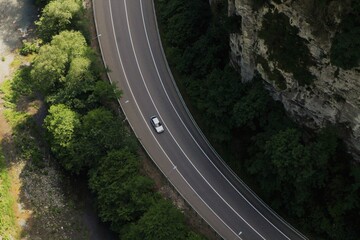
[143,79]
[157,71]
[118,52]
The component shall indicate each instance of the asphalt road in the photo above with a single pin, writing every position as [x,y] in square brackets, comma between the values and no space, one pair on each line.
[131,49]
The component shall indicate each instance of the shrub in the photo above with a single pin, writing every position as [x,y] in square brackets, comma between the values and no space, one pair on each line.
[286,48]
[29,47]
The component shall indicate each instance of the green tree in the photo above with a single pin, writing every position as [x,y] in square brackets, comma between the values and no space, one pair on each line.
[123,194]
[161,222]
[103,131]
[183,21]
[57,15]
[99,133]
[77,85]
[289,157]
[285,169]
[49,67]
[106,92]
[72,43]
[61,123]
[252,106]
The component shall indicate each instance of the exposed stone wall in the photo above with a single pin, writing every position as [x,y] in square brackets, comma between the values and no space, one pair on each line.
[333,97]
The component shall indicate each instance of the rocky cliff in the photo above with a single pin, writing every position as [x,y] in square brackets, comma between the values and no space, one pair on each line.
[291,44]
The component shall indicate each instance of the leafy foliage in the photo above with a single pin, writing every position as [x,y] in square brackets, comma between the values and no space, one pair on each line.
[62,123]
[64,71]
[100,132]
[30,47]
[7,217]
[202,59]
[57,16]
[123,195]
[250,107]
[160,222]
[286,48]
[84,135]
[292,168]
[48,68]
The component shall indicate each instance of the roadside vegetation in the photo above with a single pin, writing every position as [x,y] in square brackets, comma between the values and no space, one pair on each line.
[83,129]
[7,216]
[307,177]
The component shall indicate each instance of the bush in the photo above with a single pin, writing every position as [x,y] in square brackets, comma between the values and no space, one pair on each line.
[29,47]
[57,16]
[286,48]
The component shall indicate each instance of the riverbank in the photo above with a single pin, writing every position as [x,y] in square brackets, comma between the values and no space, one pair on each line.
[39,199]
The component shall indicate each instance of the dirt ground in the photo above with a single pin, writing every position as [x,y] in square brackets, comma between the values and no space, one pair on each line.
[45,207]
[15,19]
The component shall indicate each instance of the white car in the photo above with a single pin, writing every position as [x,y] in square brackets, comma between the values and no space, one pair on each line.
[155,122]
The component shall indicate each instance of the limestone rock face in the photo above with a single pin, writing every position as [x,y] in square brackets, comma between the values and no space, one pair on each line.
[334,95]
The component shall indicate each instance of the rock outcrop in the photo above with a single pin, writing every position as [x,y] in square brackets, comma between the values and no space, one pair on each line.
[330,94]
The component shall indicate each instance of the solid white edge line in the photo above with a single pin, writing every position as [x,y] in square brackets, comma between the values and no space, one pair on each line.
[226,179]
[96,26]
[172,136]
[214,151]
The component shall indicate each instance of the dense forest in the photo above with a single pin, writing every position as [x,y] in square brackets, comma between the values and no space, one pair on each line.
[82,127]
[305,176]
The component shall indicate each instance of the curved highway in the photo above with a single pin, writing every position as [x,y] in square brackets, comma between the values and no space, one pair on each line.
[131,49]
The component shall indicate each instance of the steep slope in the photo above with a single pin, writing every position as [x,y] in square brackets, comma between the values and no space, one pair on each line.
[308,53]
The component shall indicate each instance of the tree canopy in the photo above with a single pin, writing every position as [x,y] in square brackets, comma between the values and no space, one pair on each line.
[57,16]
[62,123]
[123,195]
[161,222]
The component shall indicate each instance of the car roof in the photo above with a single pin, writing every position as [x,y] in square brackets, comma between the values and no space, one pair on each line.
[155,119]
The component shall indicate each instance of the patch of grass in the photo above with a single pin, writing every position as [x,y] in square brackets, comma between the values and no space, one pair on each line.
[8,228]
[14,117]
[12,90]
[22,60]
[22,124]
[5,89]
[26,143]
